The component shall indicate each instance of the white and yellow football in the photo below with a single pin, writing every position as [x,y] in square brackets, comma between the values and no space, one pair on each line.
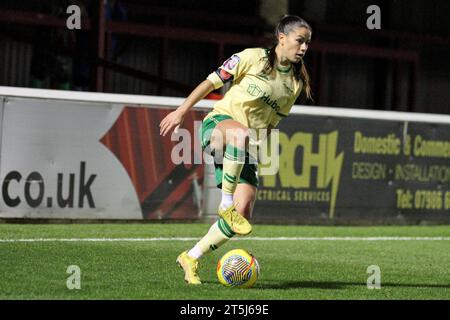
[238,268]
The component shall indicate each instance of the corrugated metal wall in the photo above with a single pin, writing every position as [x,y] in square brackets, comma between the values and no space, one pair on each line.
[187,63]
[351,82]
[190,63]
[434,81]
[15,63]
[143,55]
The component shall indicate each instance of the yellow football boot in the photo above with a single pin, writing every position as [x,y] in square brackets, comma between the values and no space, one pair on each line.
[190,267]
[237,222]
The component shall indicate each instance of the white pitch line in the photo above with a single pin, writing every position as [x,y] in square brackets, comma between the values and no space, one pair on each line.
[236,239]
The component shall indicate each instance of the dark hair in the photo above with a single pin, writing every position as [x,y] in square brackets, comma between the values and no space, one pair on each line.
[286,25]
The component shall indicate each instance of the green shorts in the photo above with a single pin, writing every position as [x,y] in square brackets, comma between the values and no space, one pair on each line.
[249,172]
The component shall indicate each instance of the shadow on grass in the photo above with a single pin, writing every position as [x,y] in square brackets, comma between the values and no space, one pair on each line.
[332,285]
[336,285]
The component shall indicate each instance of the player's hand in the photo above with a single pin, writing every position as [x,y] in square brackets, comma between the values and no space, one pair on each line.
[172,121]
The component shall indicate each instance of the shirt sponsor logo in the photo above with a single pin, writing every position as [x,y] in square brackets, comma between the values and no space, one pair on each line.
[271,103]
[256,91]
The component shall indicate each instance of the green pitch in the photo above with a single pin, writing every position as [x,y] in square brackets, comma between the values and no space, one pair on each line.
[290,269]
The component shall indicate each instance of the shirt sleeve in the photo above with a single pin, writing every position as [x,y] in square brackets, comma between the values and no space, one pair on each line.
[233,68]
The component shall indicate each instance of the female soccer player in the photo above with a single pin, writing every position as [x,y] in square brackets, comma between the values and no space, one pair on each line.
[265,85]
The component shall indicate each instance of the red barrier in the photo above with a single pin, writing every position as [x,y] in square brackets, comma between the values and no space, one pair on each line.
[163,188]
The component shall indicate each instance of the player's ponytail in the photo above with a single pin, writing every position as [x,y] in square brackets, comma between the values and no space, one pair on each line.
[300,71]
[286,25]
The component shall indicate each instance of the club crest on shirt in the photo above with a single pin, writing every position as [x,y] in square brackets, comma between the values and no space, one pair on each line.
[254,90]
[232,62]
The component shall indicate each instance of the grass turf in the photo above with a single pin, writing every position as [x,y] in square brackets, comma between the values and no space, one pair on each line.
[290,270]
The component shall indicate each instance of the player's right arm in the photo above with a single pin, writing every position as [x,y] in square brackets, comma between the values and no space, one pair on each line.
[175,118]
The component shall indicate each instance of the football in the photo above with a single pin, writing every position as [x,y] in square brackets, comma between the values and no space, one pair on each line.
[238,268]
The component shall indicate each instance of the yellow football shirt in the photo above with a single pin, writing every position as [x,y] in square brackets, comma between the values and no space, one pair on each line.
[255,99]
